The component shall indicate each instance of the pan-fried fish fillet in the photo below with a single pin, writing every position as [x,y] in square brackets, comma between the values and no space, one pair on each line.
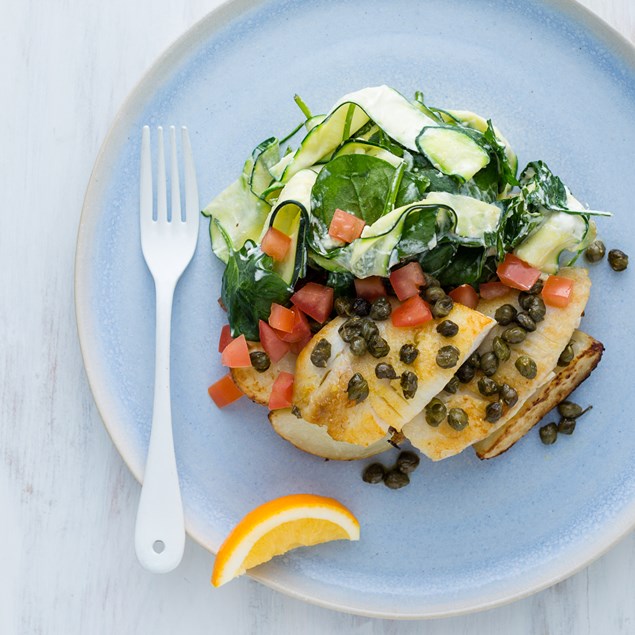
[321,393]
[588,353]
[543,346]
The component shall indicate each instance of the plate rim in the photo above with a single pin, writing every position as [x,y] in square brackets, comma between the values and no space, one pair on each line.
[209,24]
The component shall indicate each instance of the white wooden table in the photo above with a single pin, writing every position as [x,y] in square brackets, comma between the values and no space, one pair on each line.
[67,501]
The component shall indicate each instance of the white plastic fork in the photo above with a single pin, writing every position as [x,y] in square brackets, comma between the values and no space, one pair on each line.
[168,247]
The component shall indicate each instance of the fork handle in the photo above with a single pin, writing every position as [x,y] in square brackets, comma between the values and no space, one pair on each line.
[160,527]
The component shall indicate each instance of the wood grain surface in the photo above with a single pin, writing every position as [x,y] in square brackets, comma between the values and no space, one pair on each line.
[67,562]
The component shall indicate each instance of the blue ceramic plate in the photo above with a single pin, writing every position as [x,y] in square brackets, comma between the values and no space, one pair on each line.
[465,534]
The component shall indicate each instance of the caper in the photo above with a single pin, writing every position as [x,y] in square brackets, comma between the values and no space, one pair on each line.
[508,395]
[567,355]
[489,363]
[537,287]
[407,462]
[524,319]
[525,299]
[350,329]
[380,309]
[566,426]
[343,306]
[442,307]
[260,360]
[494,411]
[385,371]
[361,307]
[487,386]
[408,353]
[549,433]
[536,308]
[396,479]
[374,473]
[501,349]
[466,373]
[618,260]
[321,353]
[595,251]
[505,314]
[474,360]
[378,346]
[369,329]
[430,281]
[452,386]
[448,328]
[436,412]
[448,356]
[514,334]
[357,388]
[409,384]
[457,418]
[526,366]
[295,411]
[569,409]
[358,346]
[432,294]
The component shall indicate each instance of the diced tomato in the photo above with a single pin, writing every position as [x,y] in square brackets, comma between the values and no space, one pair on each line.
[273,345]
[225,338]
[370,288]
[407,280]
[412,312]
[315,300]
[465,295]
[224,391]
[281,318]
[301,329]
[281,392]
[557,291]
[275,244]
[517,274]
[345,226]
[492,290]
[236,354]
[296,347]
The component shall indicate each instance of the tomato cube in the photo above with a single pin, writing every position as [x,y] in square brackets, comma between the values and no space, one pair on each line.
[281,392]
[315,300]
[236,354]
[273,345]
[407,280]
[370,288]
[557,291]
[517,274]
[225,338]
[224,391]
[275,244]
[281,318]
[301,329]
[465,295]
[492,290]
[412,312]
[345,226]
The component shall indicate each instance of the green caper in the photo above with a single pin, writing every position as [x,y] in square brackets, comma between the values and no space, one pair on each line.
[549,433]
[525,299]
[442,307]
[448,356]
[569,409]
[436,412]
[408,353]
[321,353]
[537,287]
[494,411]
[501,349]
[595,251]
[474,360]
[343,306]
[396,479]
[526,366]
[407,462]
[357,388]
[432,294]
[380,309]
[514,334]
[448,328]
[524,319]
[567,355]
[295,411]
[260,360]
[430,281]
[369,329]
[457,419]
[535,307]
[350,329]
[409,384]
[374,473]
[487,386]
[385,371]
[378,346]
[358,346]
[361,307]
[489,363]
[566,426]
[452,386]
[505,314]
[618,260]
[508,395]
[465,373]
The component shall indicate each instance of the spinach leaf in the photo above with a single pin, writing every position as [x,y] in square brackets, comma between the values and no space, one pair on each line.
[438,259]
[341,282]
[412,188]
[423,228]
[468,266]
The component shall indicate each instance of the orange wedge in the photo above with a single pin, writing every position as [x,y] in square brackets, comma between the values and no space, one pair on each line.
[298,520]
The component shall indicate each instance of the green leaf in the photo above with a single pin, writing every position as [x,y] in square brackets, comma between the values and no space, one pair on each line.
[468,266]
[341,282]
[435,261]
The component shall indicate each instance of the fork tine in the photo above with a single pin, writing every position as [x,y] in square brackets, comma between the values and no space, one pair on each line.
[191,190]
[145,187]
[162,187]
[174,179]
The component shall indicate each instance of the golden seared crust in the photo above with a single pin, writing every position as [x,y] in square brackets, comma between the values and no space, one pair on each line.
[568,378]
[321,393]
[543,346]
